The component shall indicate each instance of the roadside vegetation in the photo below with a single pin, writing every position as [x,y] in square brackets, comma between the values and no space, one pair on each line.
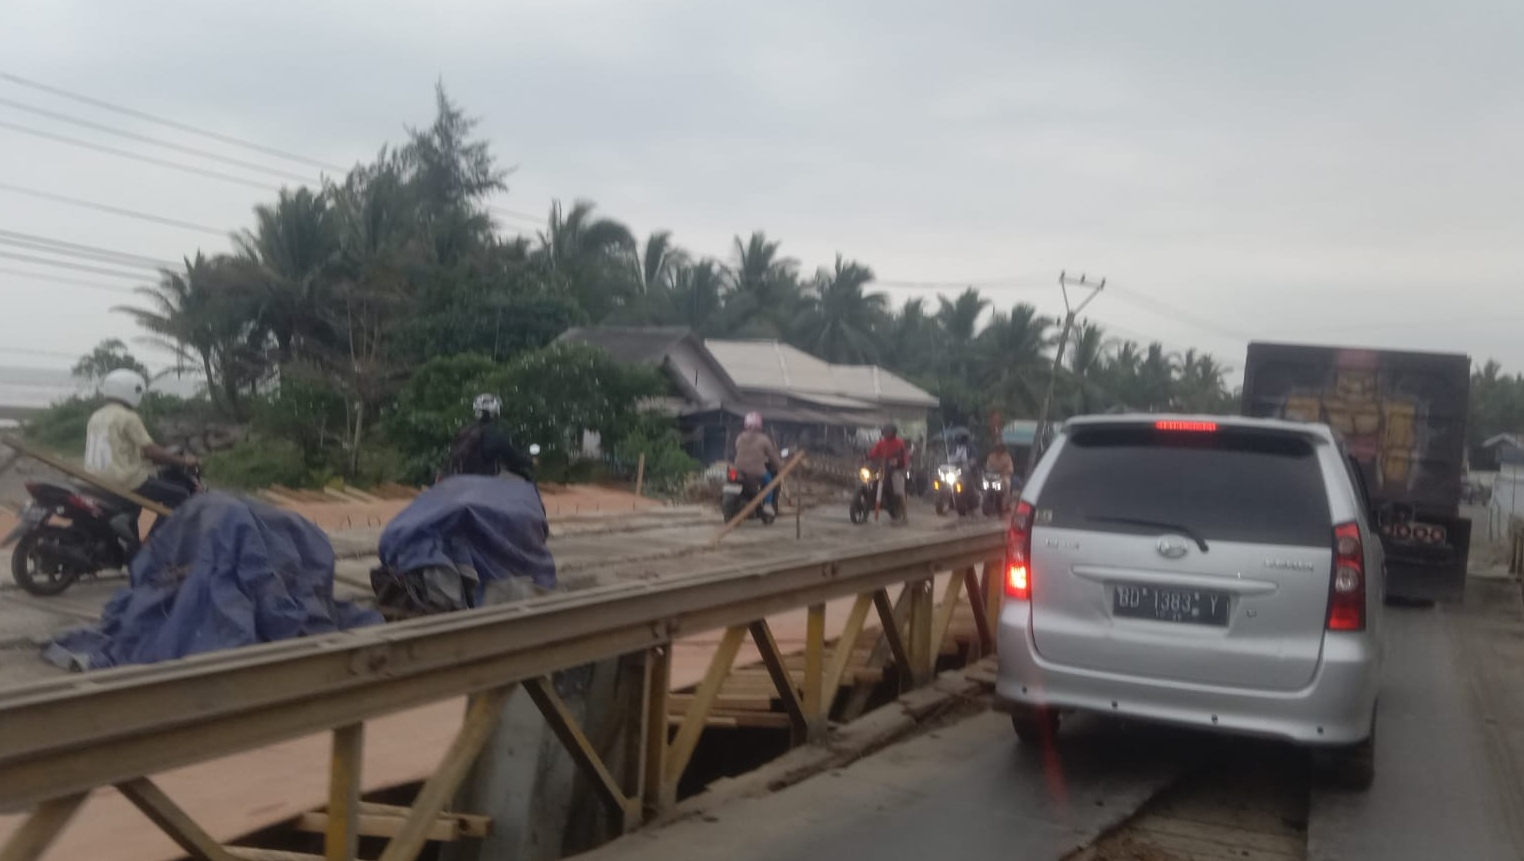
[347,331]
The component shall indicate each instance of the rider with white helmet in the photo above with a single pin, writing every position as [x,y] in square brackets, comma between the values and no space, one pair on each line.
[118,447]
[756,455]
[482,448]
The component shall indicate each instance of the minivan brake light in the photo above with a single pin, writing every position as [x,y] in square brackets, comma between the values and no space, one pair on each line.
[1188,427]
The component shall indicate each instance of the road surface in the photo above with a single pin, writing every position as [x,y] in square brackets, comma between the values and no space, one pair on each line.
[1451,740]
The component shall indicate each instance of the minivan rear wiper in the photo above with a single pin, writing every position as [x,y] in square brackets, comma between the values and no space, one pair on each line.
[1152,524]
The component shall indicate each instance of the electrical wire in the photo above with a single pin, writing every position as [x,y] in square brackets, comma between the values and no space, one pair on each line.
[59,246]
[146,159]
[73,282]
[114,210]
[188,150]
[168,123]
[64,264]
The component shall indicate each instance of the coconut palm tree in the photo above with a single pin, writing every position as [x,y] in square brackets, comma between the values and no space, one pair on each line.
[1013,362]
[292,249]
[838,320]
[1084,363]
[764,289]
[205,318]
[585,255]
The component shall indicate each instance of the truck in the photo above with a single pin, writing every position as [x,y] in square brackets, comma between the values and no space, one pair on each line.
[1402,418]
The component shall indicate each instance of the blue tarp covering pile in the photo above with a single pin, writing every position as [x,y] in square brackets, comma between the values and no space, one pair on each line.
[492,526]
[221,572]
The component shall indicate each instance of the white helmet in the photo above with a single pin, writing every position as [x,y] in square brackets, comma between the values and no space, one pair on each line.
[125,386]
[487,405]
[753,421]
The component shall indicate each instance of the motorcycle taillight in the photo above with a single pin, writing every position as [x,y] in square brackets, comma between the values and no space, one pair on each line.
[84,502]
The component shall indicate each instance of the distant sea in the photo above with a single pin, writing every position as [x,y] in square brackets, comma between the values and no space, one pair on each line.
[27,389]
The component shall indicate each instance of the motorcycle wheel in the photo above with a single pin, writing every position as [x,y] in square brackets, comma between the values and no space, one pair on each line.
[767,515]
[991,507]
[941,506]
[730,508]
[30,572]
[859,510]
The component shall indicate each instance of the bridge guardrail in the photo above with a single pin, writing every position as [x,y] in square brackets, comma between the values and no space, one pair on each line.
[115,727]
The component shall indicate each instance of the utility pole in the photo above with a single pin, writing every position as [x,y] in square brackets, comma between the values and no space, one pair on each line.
[1070,313]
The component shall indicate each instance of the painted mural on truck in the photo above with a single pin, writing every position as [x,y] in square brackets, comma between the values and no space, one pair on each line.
[1402,416]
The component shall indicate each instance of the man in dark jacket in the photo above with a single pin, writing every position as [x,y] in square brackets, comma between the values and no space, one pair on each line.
[482,448]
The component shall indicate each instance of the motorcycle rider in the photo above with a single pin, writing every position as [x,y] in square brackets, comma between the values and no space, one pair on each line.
[119,449]
[756,455]
[482,448]
[891,455]
[999,460]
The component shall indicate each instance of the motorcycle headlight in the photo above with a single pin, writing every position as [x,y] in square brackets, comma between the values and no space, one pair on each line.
[865,474]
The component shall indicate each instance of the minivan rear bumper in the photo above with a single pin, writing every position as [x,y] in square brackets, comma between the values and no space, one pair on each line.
[1335,708]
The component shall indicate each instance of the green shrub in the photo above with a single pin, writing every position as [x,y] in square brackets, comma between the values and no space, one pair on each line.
[258,463]
[667,465]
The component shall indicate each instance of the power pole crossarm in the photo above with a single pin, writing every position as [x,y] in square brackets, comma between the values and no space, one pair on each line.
[1071,312]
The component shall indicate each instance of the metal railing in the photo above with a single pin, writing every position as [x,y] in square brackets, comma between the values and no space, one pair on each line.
[112,728]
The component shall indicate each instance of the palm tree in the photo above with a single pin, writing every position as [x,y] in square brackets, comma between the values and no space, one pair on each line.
[838,320]
[292,248]
[695,297]
[1013,358]
[203,317]
[912,339]
[1156,379]
[660,261]
[1200,386]
[1086,359]
[764,288]
[582,252]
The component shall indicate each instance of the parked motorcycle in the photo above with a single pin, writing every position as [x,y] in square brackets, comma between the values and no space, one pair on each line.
[954,491]
[70,531]
[866,500]
[996,494]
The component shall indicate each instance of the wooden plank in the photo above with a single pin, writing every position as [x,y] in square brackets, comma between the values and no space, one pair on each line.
[173,821]
[252,853]
[678,705]
[41,828]
[481,720]
[815,703]
[994,593]
[682,747]
[63,466]
[565,726]
[891,626]
[725,718]
[923,659]
[746,511]
[941,626]
[653,719]
[762,636]
[878,654]
[443,829]
[845,645]
[470,824]
[341,834]
[986,638]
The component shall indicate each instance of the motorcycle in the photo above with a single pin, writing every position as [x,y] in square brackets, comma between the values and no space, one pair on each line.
[867,499]
[995,494]
[741,489]
[954,491]
[71,531]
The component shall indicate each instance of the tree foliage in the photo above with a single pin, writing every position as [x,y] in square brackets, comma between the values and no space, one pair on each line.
[109,355]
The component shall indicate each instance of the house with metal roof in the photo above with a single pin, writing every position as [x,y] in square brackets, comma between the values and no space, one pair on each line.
[715,382]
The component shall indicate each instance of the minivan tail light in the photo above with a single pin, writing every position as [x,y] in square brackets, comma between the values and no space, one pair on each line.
[1018,554]
[1189,427]
[1346,591]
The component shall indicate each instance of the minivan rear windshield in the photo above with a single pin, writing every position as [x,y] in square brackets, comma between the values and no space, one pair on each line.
[1228,485]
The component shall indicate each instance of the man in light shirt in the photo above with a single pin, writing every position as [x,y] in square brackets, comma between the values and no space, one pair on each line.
[119,449]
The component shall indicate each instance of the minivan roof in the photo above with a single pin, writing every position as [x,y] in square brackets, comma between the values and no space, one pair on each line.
[1305,429]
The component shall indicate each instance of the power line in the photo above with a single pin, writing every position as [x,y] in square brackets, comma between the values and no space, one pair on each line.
[146,159]
[28,351]
[59,246]
[74,282]
[64,264]
[142,115]
[114,210]
[189,150]
[1164,309]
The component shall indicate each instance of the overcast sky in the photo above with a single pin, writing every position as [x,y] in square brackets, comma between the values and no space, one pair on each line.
[1317,171]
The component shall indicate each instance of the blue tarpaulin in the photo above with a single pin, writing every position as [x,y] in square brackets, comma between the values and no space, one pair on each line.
[223,571]
[493,526]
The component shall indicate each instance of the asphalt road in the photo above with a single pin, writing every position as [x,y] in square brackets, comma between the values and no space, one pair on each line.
[1451,738]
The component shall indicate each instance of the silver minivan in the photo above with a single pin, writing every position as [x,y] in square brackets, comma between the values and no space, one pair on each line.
[1208,572]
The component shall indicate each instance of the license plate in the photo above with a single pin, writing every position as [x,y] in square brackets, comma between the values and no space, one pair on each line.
[731,489]
[1166,604]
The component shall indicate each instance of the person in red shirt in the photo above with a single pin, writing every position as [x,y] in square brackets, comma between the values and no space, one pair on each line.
[892,456]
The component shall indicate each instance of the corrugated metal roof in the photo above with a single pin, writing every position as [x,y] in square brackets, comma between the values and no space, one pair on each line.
[777,367]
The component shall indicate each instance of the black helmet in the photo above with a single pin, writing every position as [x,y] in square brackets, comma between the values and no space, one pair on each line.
[891,431]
